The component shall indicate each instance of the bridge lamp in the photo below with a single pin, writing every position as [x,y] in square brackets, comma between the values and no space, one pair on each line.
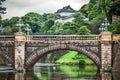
[59,30]
[103,27]
[28,29]
[20,24]
[56,30]
[1,28]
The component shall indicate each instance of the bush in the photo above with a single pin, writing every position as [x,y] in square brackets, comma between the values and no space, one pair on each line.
[82,62]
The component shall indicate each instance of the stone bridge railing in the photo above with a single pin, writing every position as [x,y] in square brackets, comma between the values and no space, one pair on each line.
[7,38]
[63,38]
[41,38]
[116,37]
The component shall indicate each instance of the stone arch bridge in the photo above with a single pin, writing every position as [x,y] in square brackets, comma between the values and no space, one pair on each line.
[23,51]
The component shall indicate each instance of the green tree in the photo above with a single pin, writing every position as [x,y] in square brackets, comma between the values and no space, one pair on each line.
[94,12]
[55,28]
[13,21]
[82,62]
[104,5]
[83,31]
[2,9]
[96,21]
[114,7]
[49,24]
[51,16]
[69,28]
[115,27]
[35,21]
[85,9]
[7,29]
[78,19]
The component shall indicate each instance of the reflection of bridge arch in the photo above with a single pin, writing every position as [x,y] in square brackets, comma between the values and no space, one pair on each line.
[35,56]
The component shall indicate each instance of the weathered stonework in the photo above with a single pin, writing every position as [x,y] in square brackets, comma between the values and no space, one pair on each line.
[106,50]
[20,39]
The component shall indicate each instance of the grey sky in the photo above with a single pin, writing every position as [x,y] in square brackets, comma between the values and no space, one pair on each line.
[21,7]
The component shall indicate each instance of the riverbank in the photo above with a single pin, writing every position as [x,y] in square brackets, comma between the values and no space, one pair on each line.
[74,58]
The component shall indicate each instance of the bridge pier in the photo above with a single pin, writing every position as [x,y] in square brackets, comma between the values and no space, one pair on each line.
[19,55]
[106,51]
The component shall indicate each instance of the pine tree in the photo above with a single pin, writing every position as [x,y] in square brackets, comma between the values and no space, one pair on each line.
[2,9]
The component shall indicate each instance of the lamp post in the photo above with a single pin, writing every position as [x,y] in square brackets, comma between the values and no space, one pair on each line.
[103,27]
[20,24]
[28,29]
[1,29]
[59,30]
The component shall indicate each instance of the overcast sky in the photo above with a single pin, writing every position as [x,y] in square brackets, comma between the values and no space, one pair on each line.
[21,7]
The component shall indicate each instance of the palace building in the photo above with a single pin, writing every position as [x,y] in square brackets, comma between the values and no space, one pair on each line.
[65,14]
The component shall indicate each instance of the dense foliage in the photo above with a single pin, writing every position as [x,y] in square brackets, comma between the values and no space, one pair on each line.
[2,9]
[97,10]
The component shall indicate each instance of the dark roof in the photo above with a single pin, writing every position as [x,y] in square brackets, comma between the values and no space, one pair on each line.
[66,9]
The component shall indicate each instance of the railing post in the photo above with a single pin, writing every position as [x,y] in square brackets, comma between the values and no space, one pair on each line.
[19,56]
[106,51]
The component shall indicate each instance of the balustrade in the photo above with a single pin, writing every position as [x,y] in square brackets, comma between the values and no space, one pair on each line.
[57,37]
[7,38]
[116,37]
[64,37]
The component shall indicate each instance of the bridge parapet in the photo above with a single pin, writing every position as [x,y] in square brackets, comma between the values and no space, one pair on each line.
[116,37]
[48,38]
[64,38]
[4,38]
[28,38]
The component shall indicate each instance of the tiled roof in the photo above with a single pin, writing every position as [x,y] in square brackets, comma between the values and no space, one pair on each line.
[66,9]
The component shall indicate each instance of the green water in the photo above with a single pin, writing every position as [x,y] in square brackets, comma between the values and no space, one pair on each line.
[63,72]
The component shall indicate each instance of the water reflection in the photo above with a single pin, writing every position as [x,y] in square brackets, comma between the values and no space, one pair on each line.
[106,76]
[19,76]
[63,72]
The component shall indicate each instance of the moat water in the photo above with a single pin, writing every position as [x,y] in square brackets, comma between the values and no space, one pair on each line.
[61,72]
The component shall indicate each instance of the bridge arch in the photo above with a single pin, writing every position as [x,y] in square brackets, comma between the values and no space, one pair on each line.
[37,53]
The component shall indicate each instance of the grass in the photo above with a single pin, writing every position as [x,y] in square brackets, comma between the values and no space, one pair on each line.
[68,58]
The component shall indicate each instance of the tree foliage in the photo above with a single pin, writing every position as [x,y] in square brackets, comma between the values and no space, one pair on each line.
[7,29]
[38,23]
[115,27]
[55,28]
[78,19]
[2,9]
[83,31]
[69,28]
[114,7]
